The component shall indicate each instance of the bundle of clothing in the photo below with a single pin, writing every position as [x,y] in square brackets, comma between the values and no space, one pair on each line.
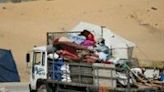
[60,70]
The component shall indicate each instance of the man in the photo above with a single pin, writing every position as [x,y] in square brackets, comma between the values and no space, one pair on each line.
[102,50]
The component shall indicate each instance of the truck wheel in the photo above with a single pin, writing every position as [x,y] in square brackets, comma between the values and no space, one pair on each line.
[44,88]
[31,89]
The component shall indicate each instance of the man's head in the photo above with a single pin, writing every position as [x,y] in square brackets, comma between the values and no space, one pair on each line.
[101,41]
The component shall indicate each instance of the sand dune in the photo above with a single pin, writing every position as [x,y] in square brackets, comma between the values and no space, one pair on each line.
[22,25]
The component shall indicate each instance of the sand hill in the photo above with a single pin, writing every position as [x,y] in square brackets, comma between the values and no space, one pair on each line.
[23,25]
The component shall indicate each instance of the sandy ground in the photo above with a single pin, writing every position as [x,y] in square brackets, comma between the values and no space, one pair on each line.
[14,87]
[23,25]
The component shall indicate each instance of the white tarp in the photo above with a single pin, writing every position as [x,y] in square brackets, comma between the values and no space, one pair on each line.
[117,43]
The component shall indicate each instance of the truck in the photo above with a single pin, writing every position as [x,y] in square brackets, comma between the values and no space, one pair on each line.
[78,76]
[49,73]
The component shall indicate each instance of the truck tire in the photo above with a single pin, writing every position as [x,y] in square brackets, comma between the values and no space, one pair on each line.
[44,88]
[30,89]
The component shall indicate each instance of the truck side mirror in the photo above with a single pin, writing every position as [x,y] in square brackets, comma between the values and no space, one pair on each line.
[27,57]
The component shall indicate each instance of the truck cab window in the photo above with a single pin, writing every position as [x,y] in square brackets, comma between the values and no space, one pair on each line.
[37,57]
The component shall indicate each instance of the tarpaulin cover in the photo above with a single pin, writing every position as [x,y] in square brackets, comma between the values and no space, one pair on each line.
[8,69]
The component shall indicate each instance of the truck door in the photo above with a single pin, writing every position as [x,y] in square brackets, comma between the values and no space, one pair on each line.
[38,69]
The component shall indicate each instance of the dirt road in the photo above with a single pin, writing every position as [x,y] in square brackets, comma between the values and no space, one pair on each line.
[14,87]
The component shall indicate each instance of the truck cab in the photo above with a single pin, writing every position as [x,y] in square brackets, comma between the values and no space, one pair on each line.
[38,62]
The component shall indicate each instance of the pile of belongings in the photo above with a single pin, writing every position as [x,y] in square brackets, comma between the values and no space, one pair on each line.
[139,77]
[82,47]
[78,47]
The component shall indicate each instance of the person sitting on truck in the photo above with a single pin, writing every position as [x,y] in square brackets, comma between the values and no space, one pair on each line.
[100,53]
[102,50]
[90,40]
